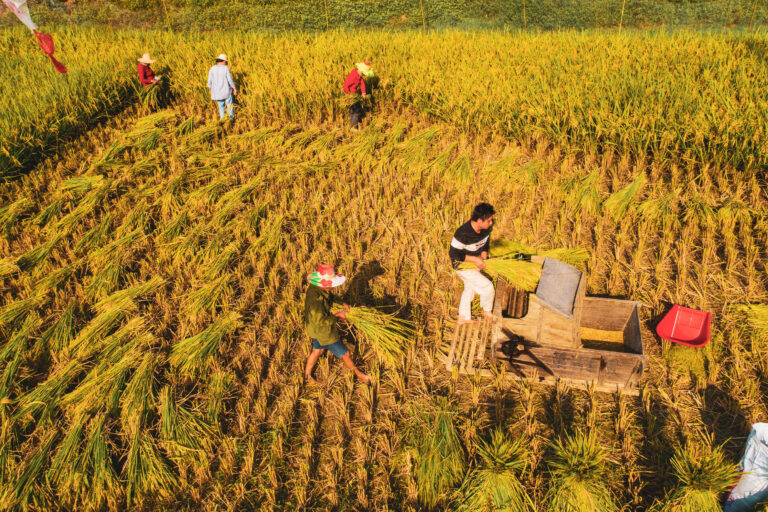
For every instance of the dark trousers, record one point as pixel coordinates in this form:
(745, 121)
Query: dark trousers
(356, 113)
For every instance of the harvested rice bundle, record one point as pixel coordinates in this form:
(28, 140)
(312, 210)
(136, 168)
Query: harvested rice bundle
(387, 333)
(521, 273)
(578, 473)
(495, 483)
(704, 474)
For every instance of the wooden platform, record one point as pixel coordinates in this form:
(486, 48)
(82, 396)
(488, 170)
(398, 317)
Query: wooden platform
(469, 345)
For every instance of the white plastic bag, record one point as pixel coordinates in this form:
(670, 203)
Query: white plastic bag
(753, 484)
(20, 9)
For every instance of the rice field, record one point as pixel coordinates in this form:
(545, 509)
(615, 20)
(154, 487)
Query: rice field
(153, 263)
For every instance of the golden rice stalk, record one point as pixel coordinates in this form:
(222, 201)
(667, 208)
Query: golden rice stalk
(495, 483)
(577, 476)
(42, 401)
(19, 309)
(145, 471)
(704, 474)
(18, 493)
(523, 274)
(138, 397)
(185, 435)
(387, 334)
(7, 267)
(192, 354)
(621, 202)
(757, 316)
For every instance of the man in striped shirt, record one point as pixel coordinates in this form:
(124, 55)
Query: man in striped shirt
(470, 244)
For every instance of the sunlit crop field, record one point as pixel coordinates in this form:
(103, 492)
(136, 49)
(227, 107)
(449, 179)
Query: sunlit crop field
(153, 268)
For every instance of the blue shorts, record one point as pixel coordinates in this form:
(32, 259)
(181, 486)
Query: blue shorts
(338, 349)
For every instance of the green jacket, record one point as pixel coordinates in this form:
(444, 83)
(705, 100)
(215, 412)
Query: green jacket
(319, 322)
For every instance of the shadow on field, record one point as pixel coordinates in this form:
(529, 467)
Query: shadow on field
(725, 419)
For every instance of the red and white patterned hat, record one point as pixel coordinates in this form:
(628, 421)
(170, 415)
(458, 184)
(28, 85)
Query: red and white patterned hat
(326, 277)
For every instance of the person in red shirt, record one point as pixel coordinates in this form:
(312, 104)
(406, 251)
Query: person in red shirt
(354, 84)
(146, 75)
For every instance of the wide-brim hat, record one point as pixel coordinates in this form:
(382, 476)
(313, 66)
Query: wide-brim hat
(364, 68)
(222, 56)
(146, 59)
(325, 277)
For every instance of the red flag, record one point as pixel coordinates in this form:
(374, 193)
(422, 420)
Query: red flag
(46, 43)
(61, 68)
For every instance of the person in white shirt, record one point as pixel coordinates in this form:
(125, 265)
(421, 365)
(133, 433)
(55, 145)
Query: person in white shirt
(222, 87)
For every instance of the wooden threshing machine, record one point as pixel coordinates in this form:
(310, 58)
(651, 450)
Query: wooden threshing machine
(555, 333)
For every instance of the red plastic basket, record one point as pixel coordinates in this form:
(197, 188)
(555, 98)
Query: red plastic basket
(685, 326)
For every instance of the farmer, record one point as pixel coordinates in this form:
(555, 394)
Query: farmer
(146, 75)
(320, 323)
(470, 244)
(222, 87)
(355, 83)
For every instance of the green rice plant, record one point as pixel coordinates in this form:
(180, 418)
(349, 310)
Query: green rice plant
(460, 170)
(577, 476)
(223, 261)
(125, 300)
(662, 209)
(138, 398)
(46, 214)
(146, 474)
(271, 238)
(623, 201)
(64, 467)
(703, 474)
(185, 435)
(495, 483)
(18, 493)
(701, 210)
(82, 184)
(523, 274)
(8, 267)
(176, 226)
(18, 310)
(10, 214)
(186, 126)
(11, 355)
(89, 339)
(103, 487)
(388, 335)
(145, 139)
(192, 354)
(97, 235)
(440, 460)
(218, 382)
(43, 400)
(55, 279)
(39, 254)
(584, 193)
(102, 386)
(208, 298)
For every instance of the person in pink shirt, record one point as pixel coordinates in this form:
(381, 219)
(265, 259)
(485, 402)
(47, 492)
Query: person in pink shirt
(355, 84)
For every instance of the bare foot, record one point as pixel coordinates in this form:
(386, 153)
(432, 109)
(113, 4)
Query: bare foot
(363, 377)
(488, 316)
(462, 321)
(310, 379)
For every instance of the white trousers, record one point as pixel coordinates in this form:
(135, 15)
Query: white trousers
(474, 283)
